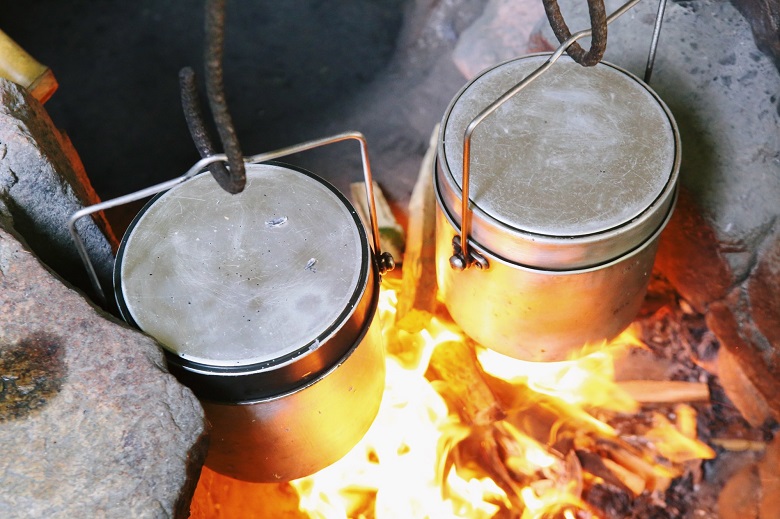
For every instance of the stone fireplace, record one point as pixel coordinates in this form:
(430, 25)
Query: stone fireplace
(94, 424)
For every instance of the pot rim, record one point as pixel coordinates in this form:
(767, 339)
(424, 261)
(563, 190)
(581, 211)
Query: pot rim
(562, 272)
(310, 381)
(550, 252)
(293, 370)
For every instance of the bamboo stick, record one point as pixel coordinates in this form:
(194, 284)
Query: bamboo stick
(18, 66)
(417, 298)
(656, 476)
(739, 444)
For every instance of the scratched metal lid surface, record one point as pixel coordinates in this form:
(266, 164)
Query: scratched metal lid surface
(578, 151)
(250, 279)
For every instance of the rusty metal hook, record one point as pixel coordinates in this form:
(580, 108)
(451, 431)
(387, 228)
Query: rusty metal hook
(234, 179)
(598, 22)
(193, 114)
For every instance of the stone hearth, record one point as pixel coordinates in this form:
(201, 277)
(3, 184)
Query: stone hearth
(92, 424)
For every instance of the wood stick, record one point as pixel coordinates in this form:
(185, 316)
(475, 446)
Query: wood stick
(455, 363)
(665, 391)
(417, 298)
(482, 448)
(391, 234)
(656, 476)
(635, 483)
(594, 464)
(739, 444)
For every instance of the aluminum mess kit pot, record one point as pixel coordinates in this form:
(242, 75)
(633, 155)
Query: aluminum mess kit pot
(569, 184)
(265, 304)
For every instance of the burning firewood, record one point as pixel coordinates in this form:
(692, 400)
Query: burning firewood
(455, 364)
(665, 391)
(656, 475)
(686, 420)
(597, 466)
(417, 298)
(635, 483)
(481, 450)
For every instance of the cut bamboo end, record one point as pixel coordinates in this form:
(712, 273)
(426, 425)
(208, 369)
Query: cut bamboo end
(44, 87)
(18, 66)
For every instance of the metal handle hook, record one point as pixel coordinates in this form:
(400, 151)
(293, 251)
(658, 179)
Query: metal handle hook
(598, 22)
(659, 18)
(234, 180)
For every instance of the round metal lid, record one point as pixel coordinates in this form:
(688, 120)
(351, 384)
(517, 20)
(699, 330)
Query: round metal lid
(257, 278)
(578, 151)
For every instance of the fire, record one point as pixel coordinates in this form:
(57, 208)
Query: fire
(428, 456)
(587, 381)
(396, 470)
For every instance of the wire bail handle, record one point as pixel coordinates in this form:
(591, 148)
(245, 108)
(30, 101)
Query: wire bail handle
(384, 260)
(463, 255)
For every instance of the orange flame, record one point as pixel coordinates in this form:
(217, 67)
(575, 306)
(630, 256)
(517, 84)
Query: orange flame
(399, 463)
(404, 465)
(586, 381)
(674, 445)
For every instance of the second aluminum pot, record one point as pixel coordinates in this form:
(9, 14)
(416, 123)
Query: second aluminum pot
(265, 303)
(571, 182)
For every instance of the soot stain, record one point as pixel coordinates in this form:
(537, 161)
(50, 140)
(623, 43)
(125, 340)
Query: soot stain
(32, 371)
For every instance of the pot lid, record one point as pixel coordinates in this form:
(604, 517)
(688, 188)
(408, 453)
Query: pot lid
(578, 151)
(259, 278)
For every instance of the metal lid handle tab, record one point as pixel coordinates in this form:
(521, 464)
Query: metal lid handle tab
(464, 256)
(384, 260)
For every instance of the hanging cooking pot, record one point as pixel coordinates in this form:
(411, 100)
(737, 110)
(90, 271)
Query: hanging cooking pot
(265, 303)
(568, 186)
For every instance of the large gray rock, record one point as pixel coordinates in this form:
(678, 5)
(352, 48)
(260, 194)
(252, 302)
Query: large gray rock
(42, 183)
(499, 34)
(91, 423)
(764, 18)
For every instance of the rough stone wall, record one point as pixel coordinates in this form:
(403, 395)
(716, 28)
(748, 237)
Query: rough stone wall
(764, 19)
(42, 183)
(91, 422)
